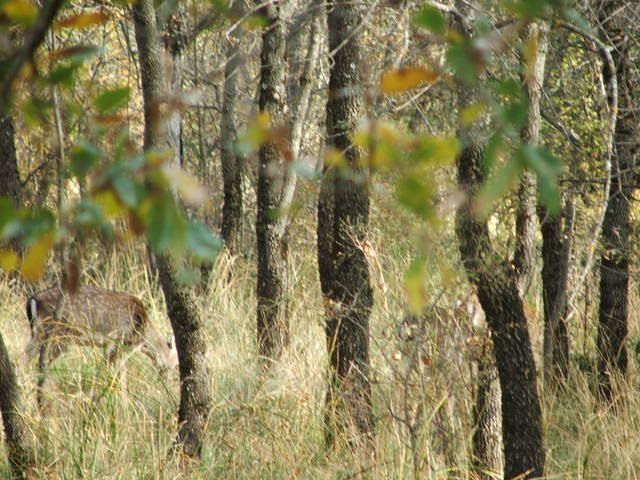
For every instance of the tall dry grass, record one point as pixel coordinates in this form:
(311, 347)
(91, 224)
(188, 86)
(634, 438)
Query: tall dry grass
(102, 422)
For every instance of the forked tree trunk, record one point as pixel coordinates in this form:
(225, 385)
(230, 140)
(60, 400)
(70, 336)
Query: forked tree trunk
(272, 321)
(345, 277)
(614, 263)
(498, 292)
(195, 399)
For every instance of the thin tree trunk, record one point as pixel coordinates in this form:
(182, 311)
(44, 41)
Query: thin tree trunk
(272, 321)
(10, 185)
(231, 161)
(195, 399)
(614, 262)
(350, 297)
(488, 458)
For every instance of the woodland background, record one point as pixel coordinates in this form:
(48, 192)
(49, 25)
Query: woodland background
(332, 192)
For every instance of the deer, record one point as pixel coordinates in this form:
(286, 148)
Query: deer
(93, 316)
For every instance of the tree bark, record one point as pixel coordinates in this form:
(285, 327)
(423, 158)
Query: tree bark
(18, 443)
(554, 273)
(497, 287)
(231, 161)
(488, 458)
(10, 185)
(187, 325)
(272, 321)
(614, 262)
(348, 290)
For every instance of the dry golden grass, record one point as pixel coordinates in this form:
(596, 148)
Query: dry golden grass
(97, 425)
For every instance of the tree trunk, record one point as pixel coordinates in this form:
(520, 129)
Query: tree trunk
(498, 293)
(10, 185)
(195, 400)
(554, 270)
(614, 262)
(18, 443)
(497, 287)
(273, 325)
(488, 458)
(231, 161)
(350, 297)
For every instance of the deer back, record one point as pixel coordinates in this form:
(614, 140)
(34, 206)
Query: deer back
(87, 313)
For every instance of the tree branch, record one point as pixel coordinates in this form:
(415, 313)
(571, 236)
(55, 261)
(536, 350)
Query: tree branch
(34, 38)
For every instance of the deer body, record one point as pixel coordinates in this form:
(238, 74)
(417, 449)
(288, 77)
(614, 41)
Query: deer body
(93, 317)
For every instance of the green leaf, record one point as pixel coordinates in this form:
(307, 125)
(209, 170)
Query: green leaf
(84, 156)
(461, 63)
(127, 190)
(497, 186)
(166, 229)
(89, 214)
(430, 18)
(546, 168)
(63, 75)
(112, 100)
(414, 285)
(416, 195)
(201, 243)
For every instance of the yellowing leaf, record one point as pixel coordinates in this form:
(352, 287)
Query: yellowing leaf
(8, 259)
(472, 113)
(35, 260)
(20, 11)
(334, 159)
(397, 81)
(414, 286)
(109, 203)
(83, 20)
(187, 185)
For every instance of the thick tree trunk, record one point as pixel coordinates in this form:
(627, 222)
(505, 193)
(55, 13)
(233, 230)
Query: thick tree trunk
(231, 161)
(272, 324)
(18, 443)
(498, 293)
(614, 263)
(350, 298)
(195, 401)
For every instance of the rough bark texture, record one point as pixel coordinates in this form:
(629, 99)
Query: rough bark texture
(10, 185)
(272, 324)
(614, 262)
(195, 399)
(498, 293)
(18, 442)
(556, 338)
(231, 161)
(525, 253)
(348, 290)
(488, 458)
